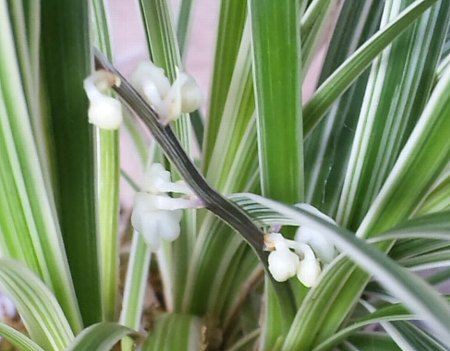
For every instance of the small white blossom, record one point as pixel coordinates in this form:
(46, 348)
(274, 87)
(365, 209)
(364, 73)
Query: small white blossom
(151, 80)
(156, 215)
(283, 263)
(191, 96)
(153, 221)
(324, 249)
(104, 111)
(169, 101)
(157, 181)
(309, 269)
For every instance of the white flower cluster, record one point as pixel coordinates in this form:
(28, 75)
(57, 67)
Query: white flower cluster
(302, 256)
(156, 215)
(104, 111)
(169, 101)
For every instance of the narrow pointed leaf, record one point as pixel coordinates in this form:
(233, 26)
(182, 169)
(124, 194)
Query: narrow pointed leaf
(231, 25)
(394, 99)
(327, 149)
(65, 22)
(390, 313)
(277, 75)
(352, 68)
(175, 332)
(28, 220)
(107, 175)
(135, 283)
(18, 339)
(100, 337)
(41, 313)
(183, 25)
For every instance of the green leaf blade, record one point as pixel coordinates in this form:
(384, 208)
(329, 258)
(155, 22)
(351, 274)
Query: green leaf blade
(67, 65)
(231, 26)
(17, 339)
(175, 332)
(99, 337)
(277, 77)
(351, 69)
(393, 101)
(107, 176)
(33, 231)
(39, 309)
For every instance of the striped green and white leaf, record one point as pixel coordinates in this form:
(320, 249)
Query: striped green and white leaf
(138, 267)
(107, 175)
(394, 99)
(433, 226)
(356, 64)
(37, 306)
(66, 54)
(176, 332)
(396, 312)
(100, 337)
(18, 339)
(425, 155)
(28, 219)
(183, 25)
(233, 14)
(277, 77)
(276, 51)
(409, 336)
(327, 149)
(438, 199)
(233, 167)
(136, 283)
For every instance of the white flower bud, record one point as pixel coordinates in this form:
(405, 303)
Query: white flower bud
(104, 111)
(324, 249)
(173, 99)
(156, 215)
(147, 77)
(308, 272)
(309, 269)
(191, 96)
(157, 180)
(283, 264)
(169, 101)
(151, 218)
